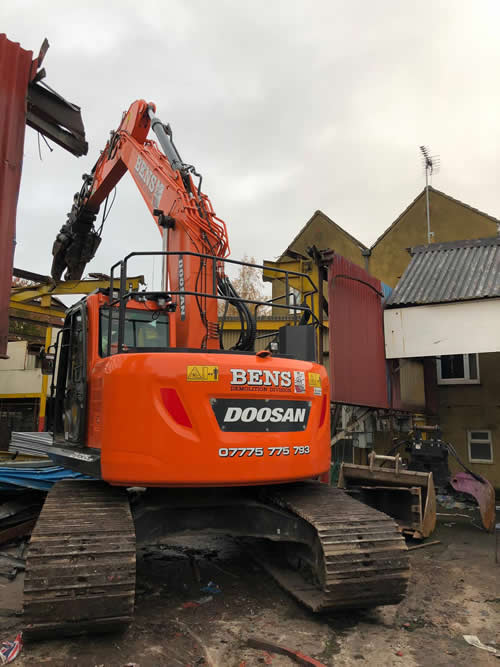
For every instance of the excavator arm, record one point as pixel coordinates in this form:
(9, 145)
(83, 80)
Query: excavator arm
(183, 214)
(164, 181)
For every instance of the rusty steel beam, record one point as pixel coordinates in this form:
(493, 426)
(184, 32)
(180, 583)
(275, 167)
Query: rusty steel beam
(29, 275)
(61, 137)
(53, 107)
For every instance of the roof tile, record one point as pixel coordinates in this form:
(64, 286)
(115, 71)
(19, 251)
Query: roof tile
(447, 272)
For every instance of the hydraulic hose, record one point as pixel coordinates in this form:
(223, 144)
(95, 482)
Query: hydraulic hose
(246, 340)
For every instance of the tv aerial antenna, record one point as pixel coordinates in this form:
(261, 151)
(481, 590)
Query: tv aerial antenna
(431, 166)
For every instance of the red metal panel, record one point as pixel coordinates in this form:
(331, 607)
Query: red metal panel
(357, 353)
(16, 67)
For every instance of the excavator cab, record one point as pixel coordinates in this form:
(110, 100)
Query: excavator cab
(146, 329)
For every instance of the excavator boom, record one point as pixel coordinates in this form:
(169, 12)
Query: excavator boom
(183, 214)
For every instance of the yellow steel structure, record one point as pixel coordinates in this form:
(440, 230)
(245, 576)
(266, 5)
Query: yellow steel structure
(299, 284)
(22, 294)
(34, 308)
(267, 324)
(22, 298)
(20, 395)
(45, 382)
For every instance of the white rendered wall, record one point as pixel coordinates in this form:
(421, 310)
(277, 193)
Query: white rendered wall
(16, 376)
(17, 352)
(450, 328)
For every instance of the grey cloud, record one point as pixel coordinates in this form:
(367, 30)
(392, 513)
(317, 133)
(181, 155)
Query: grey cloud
(285, 107)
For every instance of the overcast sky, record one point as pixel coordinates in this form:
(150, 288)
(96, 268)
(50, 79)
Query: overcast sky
(285, 107)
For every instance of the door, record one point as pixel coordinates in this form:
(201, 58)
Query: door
(71, 388)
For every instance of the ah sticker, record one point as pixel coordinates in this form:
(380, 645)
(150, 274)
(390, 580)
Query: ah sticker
(317, 391)
(314, 379)
(299, 381)
(202, 373)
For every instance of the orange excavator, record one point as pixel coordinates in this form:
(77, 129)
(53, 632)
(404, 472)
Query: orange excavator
(223, 441)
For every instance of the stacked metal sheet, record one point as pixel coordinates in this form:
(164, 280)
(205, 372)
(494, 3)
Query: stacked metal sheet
(29, 442)
(39, 473)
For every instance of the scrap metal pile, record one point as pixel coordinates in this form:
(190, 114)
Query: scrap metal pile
(32, 470)
(407, 491)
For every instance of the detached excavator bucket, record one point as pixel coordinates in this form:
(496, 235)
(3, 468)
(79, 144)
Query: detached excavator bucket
(407, 496)
(481, 489)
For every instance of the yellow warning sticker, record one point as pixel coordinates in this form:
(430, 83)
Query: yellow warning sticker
(202, 373)
(314, 380)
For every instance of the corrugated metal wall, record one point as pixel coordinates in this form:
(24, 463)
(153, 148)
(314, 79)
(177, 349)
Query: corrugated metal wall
(16, 66)
(357, 355)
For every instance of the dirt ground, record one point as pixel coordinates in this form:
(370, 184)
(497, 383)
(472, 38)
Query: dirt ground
(453, 591)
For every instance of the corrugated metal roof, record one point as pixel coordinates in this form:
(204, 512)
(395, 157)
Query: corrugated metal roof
(15, 73)
(447, 272)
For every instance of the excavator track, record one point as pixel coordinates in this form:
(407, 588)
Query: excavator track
(359, 558)
(80, 568)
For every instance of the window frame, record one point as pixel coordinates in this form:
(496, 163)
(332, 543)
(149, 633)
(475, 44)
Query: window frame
(489, 441)
(105, 308)
(466, 379)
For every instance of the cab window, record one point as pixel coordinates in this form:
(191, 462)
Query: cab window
(145, 330)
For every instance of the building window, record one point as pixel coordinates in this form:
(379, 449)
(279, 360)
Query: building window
(480, 449)
(458, 369)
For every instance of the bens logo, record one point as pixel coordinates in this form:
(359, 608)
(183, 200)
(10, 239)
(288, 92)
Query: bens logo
(263, 415)
(260, 378)
(152, 182)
